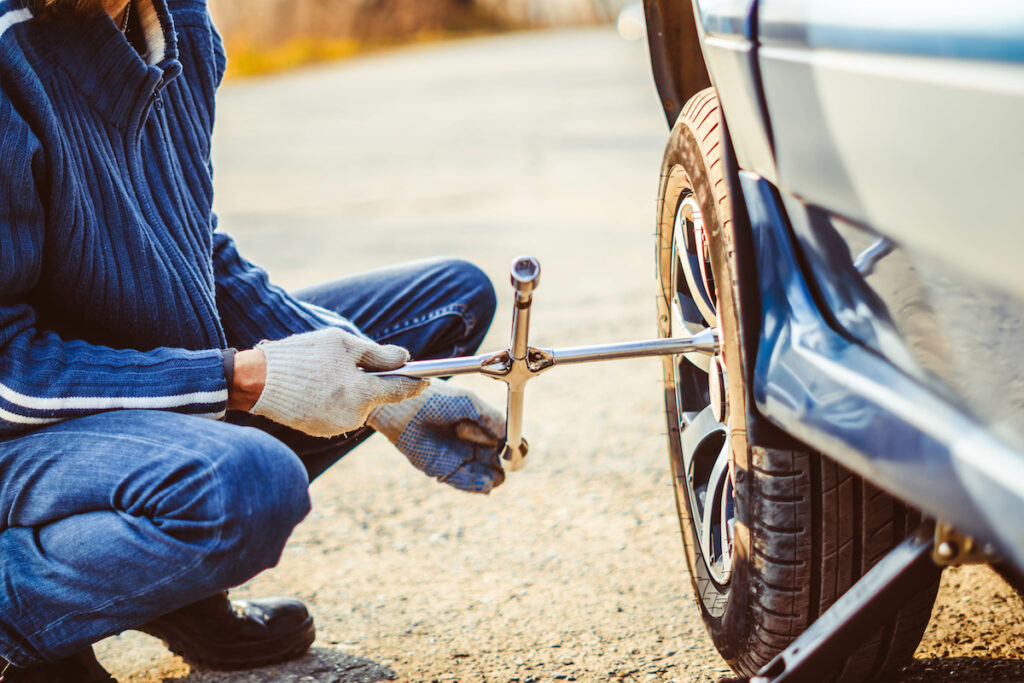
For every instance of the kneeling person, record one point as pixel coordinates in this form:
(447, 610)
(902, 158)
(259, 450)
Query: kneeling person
(145, 465)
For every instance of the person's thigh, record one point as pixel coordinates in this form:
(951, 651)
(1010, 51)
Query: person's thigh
(437, 308)
(110, 520)
(434, 308)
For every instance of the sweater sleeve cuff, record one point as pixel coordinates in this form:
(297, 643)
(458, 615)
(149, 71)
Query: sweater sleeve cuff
(228, 356)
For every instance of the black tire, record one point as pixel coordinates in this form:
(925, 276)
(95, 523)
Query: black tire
(804, 528)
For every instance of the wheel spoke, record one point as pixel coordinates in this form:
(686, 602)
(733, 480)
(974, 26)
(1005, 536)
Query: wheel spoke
(698, 431)
(691, 270)
(691, 264)
(713, 518)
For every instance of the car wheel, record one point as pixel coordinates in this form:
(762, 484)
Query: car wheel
(771, 536)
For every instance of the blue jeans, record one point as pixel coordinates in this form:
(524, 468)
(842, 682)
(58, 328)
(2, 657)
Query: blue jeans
(111, 520)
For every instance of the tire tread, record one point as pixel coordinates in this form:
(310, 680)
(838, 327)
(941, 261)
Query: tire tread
(851, 526)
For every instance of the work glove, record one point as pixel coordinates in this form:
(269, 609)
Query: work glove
(318, 382)
(449, 433)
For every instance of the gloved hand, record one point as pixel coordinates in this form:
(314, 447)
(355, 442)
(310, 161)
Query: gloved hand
(449, 433)
(316, 381)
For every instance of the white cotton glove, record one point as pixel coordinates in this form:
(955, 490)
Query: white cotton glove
(316, 381)
(449, 433)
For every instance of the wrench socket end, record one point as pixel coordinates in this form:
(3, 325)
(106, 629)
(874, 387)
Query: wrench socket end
(525, 275)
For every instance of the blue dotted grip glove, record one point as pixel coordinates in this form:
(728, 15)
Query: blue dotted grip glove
(449, 433)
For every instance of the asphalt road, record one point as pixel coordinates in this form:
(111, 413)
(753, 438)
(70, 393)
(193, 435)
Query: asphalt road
(544, 143)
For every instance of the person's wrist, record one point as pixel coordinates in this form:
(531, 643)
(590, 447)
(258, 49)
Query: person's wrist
(249, 378)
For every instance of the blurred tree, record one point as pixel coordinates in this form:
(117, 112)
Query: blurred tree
(555, 12)
(265, 35)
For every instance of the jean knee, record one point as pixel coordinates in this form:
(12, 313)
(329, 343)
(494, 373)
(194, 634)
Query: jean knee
(477, 294)
(264, 493)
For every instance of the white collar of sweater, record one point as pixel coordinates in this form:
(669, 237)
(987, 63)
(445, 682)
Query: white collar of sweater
(153, 29)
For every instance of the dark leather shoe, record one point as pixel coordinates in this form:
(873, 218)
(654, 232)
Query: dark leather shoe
(220, 634)
(80, 667)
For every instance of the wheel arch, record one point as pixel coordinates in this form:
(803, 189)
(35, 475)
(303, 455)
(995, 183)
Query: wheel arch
(676, 58)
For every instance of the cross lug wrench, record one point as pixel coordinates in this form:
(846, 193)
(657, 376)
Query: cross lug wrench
(520, 362)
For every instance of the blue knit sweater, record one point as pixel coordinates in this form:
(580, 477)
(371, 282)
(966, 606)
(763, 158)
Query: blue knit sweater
(115, 290)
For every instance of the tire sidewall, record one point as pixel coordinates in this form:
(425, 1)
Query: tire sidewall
(729, 629)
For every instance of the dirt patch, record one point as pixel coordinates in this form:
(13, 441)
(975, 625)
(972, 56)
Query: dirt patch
(976, 632)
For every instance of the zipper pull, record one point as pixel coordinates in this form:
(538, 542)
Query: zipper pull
(157, 104)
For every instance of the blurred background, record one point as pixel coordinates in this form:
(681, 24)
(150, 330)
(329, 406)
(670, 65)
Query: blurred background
(265, 35)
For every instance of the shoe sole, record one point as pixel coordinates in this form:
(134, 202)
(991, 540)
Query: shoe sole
(235, 656)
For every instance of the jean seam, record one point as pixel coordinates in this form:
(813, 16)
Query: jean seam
(460, 310)
(196, 563)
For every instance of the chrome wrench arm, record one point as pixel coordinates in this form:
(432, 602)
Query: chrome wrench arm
(447, 367)
(705, 343)
(496, 364)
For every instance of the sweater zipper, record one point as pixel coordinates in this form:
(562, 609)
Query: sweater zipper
(214, 334)
(156, 100)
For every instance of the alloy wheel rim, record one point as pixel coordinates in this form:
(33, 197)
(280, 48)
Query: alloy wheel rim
(702, 410)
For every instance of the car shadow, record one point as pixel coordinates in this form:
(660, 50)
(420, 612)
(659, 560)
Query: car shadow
(975, 669)
(319, 664)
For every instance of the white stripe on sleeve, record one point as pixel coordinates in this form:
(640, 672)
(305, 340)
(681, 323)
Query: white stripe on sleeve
(14, 418)
(110, 402)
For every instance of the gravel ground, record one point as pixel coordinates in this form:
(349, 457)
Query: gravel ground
(573, 570)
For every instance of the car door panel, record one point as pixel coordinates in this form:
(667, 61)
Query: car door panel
(897, 143)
